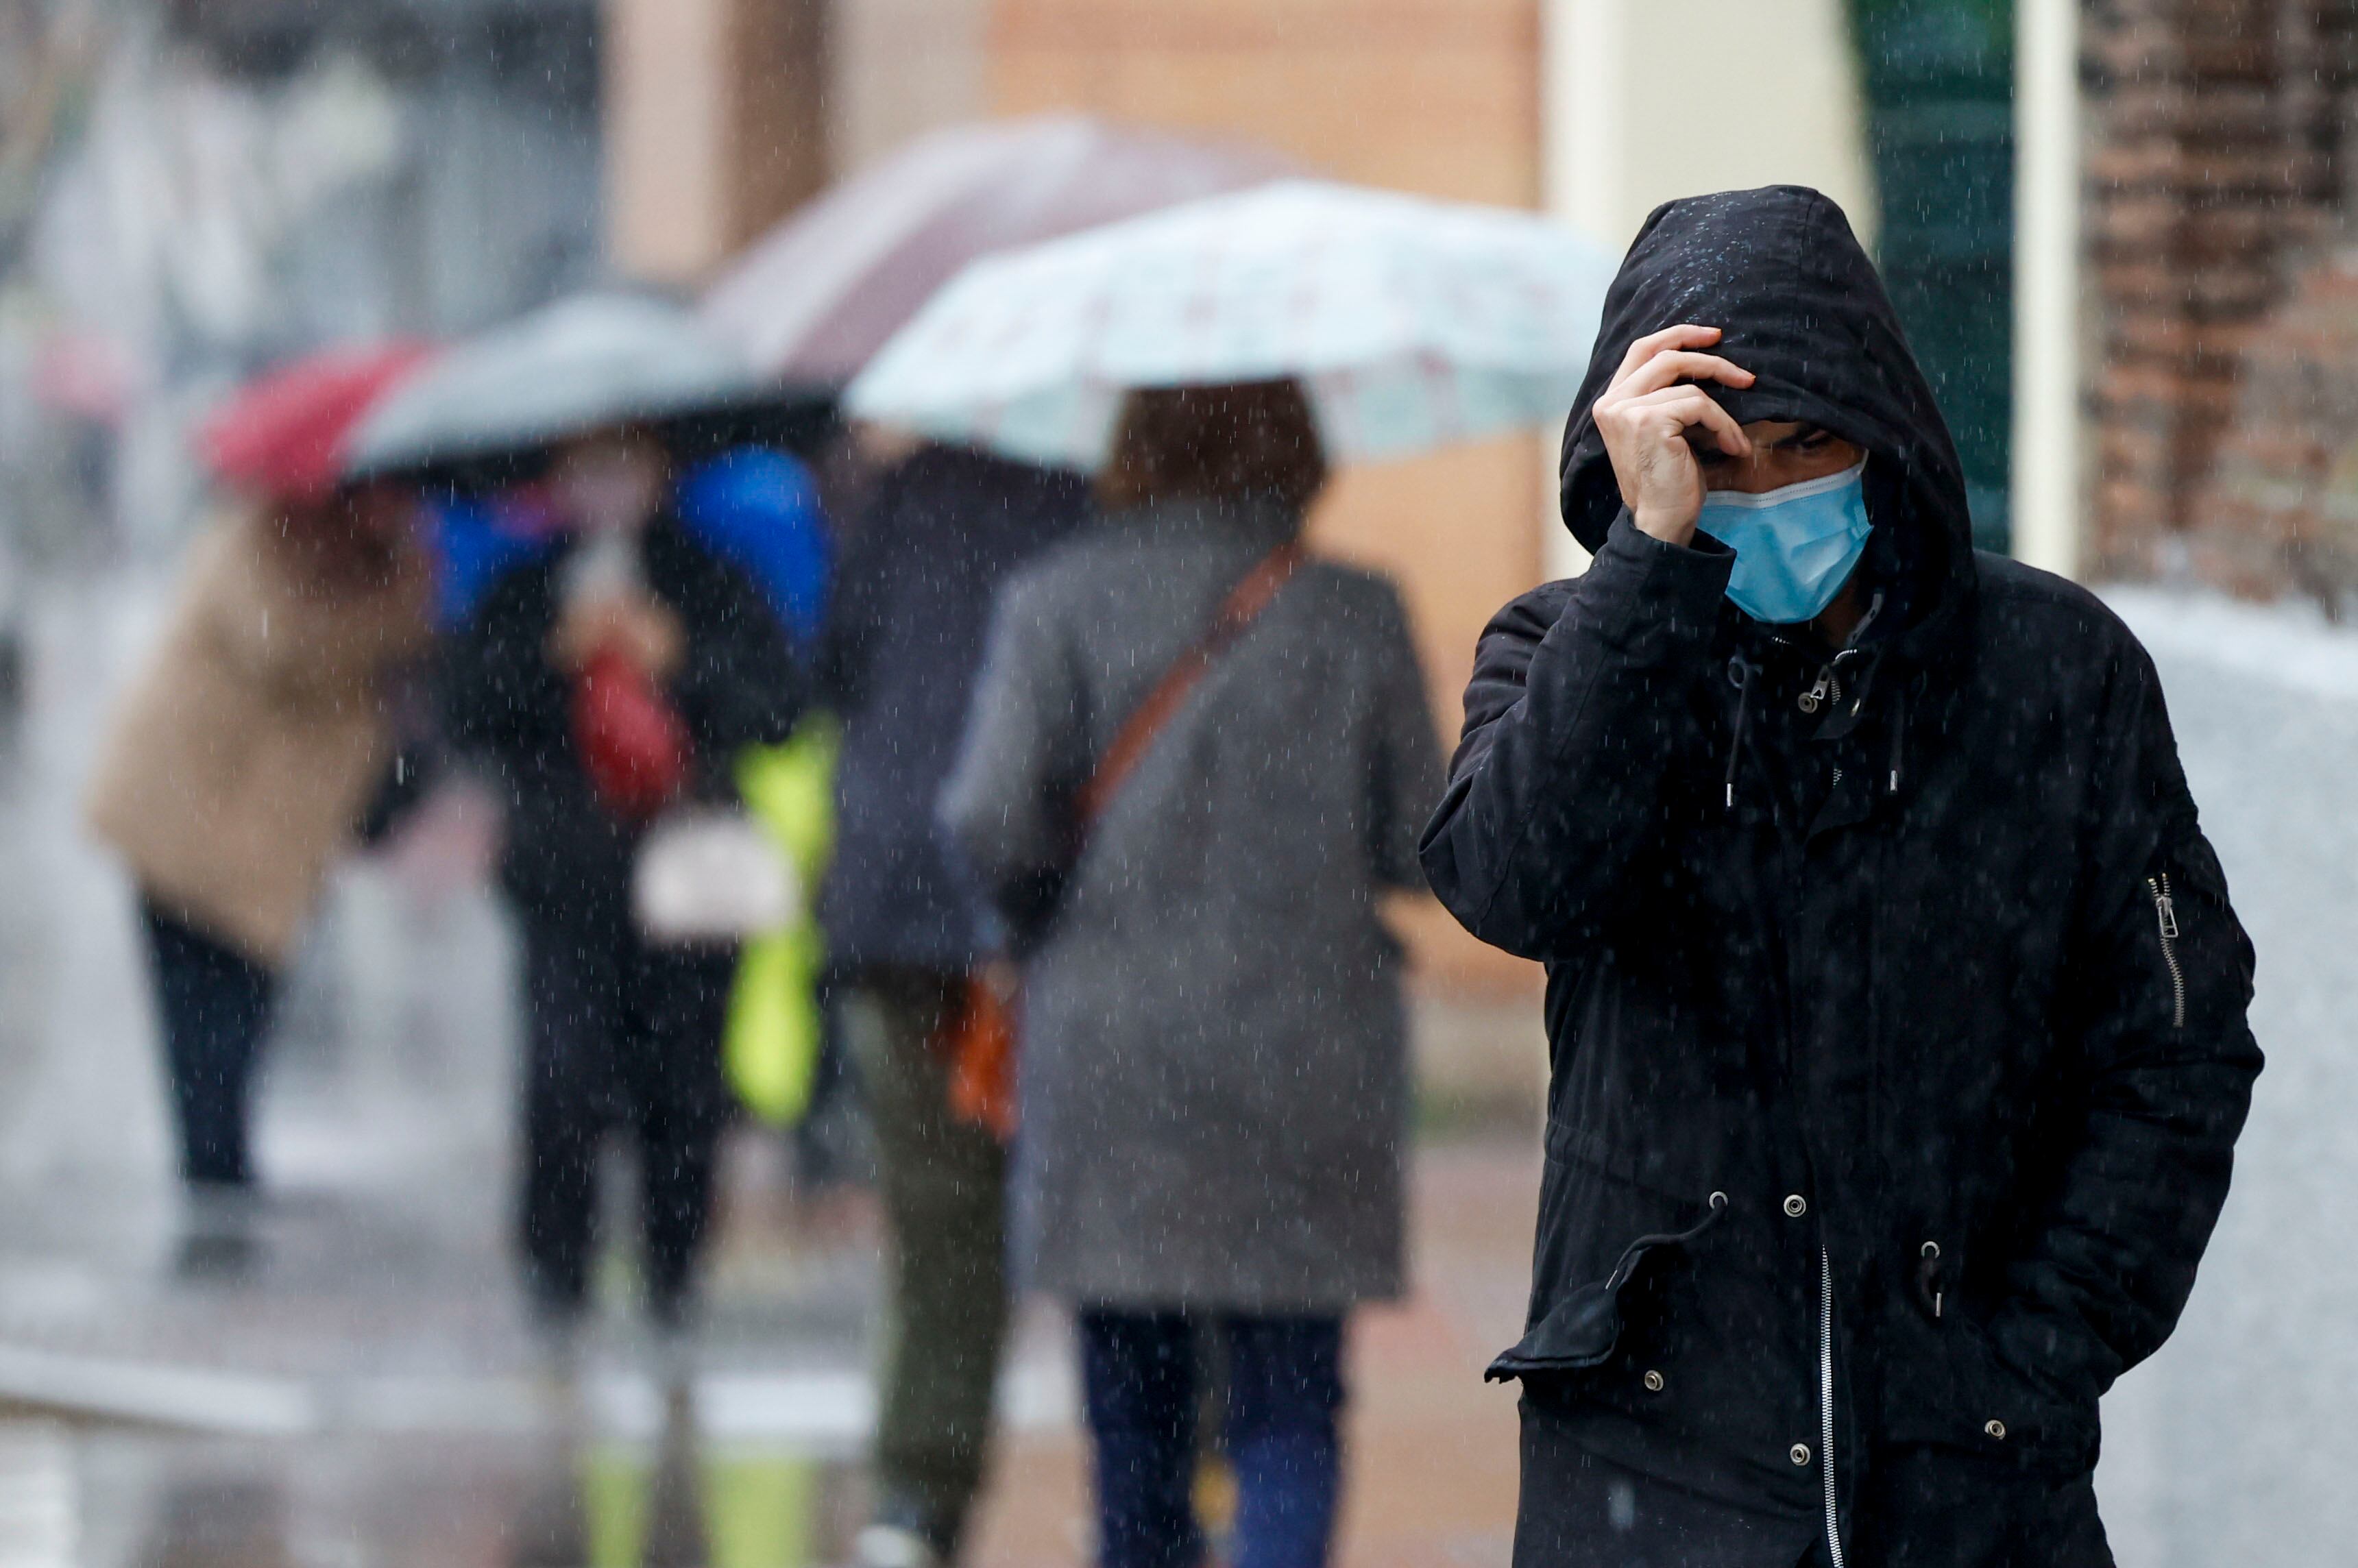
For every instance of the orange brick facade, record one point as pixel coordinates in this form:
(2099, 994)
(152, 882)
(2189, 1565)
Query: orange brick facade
(1438, 96)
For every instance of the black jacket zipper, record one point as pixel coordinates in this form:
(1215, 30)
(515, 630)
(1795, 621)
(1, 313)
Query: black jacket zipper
(2165, 911)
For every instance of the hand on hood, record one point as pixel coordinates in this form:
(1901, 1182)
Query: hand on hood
(1800, 310)
(1645, 418)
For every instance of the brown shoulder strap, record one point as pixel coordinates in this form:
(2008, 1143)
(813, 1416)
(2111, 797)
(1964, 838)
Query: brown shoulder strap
(1237, 614)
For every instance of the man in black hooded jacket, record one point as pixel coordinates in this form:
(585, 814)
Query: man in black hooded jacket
(1896, 1008)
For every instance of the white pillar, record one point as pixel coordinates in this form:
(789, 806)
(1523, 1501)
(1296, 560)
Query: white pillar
(666, 137)
(1583, 162)
(2050, 430)
(1581, 168)
(715, 128)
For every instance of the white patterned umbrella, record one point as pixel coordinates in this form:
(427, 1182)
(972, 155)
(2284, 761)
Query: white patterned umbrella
(1414, 323)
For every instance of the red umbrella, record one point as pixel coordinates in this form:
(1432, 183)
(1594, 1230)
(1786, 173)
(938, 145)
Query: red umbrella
(285, 434)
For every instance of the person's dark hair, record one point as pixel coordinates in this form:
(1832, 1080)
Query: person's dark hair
(1246, 440)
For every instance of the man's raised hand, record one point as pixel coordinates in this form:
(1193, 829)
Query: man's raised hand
(1644, 417)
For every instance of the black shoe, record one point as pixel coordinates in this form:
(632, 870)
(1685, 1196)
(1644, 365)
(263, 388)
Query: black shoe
(671, 1308)
(901, 1534)
(557, 1305)
(216, 1259)
(218, 1233)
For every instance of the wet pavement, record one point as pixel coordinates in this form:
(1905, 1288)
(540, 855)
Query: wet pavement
(546, 1503)
(361, 1387)
(566, 1477)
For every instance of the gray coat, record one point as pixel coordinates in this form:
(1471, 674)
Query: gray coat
(1214, 1073)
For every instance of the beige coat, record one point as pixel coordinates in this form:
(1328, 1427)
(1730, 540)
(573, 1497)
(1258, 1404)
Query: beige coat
(240, 762)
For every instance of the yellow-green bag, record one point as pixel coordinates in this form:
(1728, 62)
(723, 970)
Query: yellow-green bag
(771, 1047)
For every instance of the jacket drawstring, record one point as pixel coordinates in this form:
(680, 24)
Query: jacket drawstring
(1899, 736)
(1740, 671)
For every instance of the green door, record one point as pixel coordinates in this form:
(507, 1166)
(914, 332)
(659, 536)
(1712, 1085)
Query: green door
(1939, 75)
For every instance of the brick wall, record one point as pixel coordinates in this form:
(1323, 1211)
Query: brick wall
(2279, 509)
(2214, 127)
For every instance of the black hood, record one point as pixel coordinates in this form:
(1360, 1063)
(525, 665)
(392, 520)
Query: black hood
(1780, 273)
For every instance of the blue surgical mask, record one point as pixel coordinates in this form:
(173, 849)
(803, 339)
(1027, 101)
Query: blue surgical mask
(1795, 546)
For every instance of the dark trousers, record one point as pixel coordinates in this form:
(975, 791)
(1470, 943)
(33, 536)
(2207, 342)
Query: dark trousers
(620, 1035)
(943, 1186)
(1285, 1398)
(213, 1003)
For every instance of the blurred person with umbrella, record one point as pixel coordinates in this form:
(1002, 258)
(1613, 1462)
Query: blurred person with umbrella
(1195, 760)
(607, 682)
(757, 505)
(240, 763)
(905, 925)
(932, 535)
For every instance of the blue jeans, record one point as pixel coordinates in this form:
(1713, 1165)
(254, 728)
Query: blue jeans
(1285, 1394)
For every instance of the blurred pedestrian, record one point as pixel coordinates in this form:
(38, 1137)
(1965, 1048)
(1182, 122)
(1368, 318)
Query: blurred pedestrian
(240, 765)
(1195, 761)
(1897, 1005)
(606, 683)
(905, 928)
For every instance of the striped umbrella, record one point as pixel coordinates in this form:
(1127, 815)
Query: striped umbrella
(818, 296)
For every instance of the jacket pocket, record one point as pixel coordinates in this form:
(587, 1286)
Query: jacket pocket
(1578, 1313)
(1945, 1383)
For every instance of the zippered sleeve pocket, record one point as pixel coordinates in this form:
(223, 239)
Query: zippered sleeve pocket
(2196, 952)
(2165, 913)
